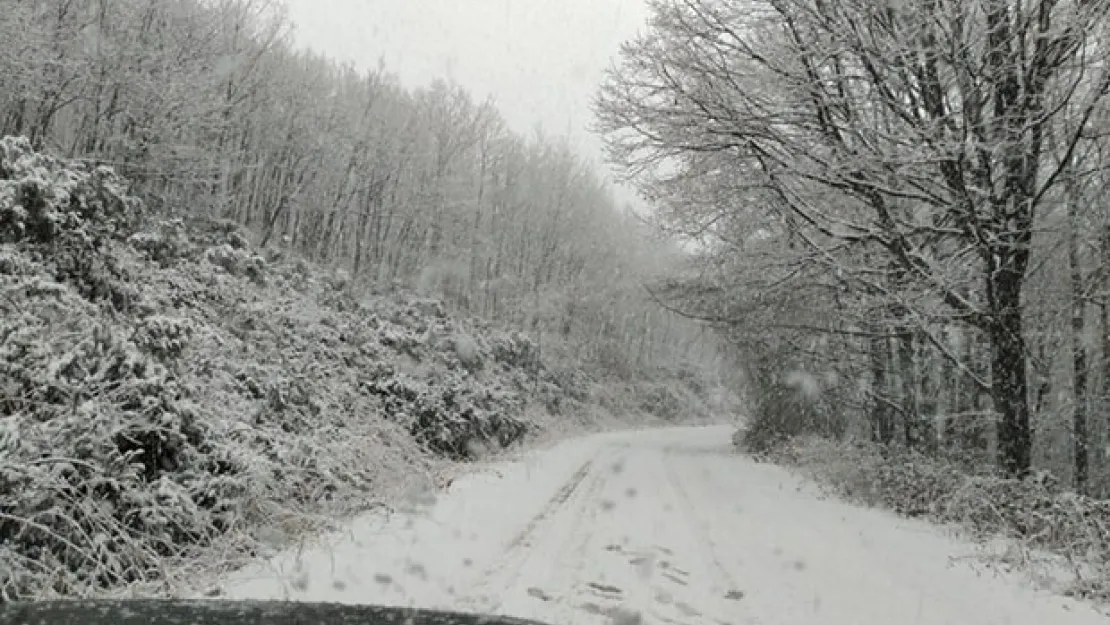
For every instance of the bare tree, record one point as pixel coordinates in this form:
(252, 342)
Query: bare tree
(208, 108)
(929, 122)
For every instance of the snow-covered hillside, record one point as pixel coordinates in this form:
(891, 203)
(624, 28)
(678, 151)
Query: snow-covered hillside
(174, 398)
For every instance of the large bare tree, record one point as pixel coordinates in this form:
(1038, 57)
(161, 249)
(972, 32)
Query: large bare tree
(915, 132)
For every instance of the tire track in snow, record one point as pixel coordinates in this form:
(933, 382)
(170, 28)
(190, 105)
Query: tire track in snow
(689, 510)
(723, 599)
(569, 568)
(507, 567)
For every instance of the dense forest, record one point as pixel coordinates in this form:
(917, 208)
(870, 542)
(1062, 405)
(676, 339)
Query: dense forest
(902, 206)
(209, 109)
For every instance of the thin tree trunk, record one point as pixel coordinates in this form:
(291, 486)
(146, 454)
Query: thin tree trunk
(1104, 309)
(882, 426)
(1080, 432)
(907, 388)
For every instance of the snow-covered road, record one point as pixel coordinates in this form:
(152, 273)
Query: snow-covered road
(671, 524)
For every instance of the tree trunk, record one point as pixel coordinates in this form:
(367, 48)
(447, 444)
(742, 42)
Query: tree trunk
(1105, 323)
(1009, 381)
(929, 375)
(907, 388)
(1080, 432)
(882, 425)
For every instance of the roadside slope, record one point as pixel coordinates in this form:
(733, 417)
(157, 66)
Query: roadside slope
(174, 399)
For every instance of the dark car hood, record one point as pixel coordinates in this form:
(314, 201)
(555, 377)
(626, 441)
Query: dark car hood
(171, 612)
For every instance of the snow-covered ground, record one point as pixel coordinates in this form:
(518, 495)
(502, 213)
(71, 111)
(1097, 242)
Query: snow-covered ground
(670, 524)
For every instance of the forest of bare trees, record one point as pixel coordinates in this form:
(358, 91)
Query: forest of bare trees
(902, 209)
(898, 201)
(210, 110)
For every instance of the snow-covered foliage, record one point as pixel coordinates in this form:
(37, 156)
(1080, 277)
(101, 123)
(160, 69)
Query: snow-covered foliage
(789, 401)
(171, 393)
(42, 198)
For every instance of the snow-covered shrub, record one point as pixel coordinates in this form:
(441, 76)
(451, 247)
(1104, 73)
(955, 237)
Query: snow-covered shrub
(94, 272)
(42, 197)
(74, 210)
(907, 482)
(616, 398)
(339, 280)
(238, 262)
(163, 337)
(553, 399)
(692, 379)
(206, 232)
(118, 456)
(336, 294)
(99, 456)
(427, 308)
(572, 382)
(401, 339)
(164, 243)
(660, 400)
(454, 416)
(514, 349)
(13, 263)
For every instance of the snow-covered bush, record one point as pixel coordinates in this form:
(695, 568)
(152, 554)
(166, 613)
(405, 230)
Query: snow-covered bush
(454, 416)
(164, 243)
(401, 339)
(42, 198)
(427, 308)
(238, 262)
(13, 263)
(100, 453)
(660, 400)
(163, 337)
(339, 280)
(572, 382)
(71, 211)
(514, 349)
(206, 232)
(94, 272)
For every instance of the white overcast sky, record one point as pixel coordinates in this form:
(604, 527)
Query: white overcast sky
(541, 60)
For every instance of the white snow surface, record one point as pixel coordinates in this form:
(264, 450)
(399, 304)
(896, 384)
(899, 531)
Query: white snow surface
(667, 526)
